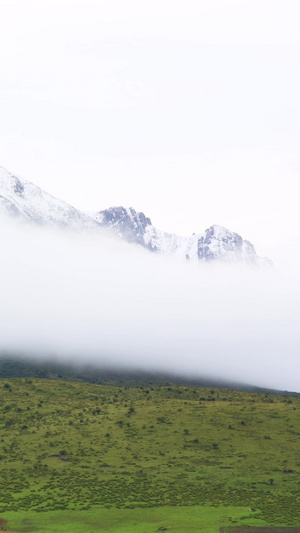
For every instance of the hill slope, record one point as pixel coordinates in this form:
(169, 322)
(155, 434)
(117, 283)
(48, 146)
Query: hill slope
(12, 367)
(74, 446)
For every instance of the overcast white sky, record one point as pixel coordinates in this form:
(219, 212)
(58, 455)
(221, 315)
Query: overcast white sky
(186, 110)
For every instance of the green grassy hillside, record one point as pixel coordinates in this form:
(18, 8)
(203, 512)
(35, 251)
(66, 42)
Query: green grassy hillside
(111, 457)
(18, 367)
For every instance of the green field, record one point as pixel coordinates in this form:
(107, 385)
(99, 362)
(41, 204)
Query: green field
(83, 457)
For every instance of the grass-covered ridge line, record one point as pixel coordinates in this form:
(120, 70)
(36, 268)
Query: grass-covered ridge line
(24, 367)
(82, 447)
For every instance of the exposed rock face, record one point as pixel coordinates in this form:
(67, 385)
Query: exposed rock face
(215, 243)
(222, 243)
(126, 223)
(23, 199)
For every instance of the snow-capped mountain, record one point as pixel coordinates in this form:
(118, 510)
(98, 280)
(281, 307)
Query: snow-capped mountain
(215, 243)
(23, 199)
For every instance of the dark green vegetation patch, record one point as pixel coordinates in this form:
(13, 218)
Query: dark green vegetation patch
(74, 446)
(12, 367)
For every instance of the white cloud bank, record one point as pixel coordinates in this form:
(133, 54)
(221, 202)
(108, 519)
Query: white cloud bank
(91, 299)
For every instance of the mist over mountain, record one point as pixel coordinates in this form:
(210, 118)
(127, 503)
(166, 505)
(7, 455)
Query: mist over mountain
(25, 200)
(89, 297)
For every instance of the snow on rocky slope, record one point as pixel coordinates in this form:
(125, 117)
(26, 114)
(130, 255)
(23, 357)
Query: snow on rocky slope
(23, 199)
(215, 243)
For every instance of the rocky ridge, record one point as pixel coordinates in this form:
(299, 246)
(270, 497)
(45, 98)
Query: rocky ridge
(23, 199)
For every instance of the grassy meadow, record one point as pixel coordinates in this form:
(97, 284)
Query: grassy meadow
(84, 457)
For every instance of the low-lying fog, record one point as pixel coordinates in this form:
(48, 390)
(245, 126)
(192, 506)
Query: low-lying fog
(88, 298)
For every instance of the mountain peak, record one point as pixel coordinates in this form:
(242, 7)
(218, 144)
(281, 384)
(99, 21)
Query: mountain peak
(22, 198)
(126, 223)
(28, 201)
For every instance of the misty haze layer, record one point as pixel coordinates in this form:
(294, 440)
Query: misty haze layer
(81, 298)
